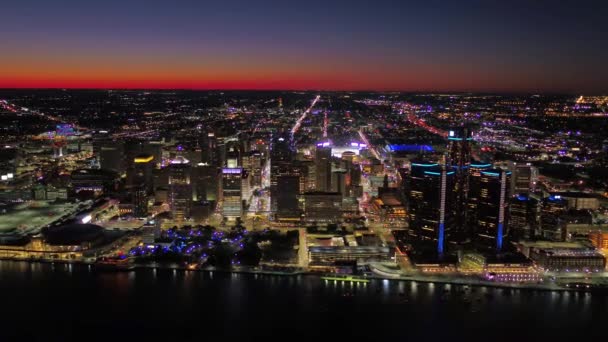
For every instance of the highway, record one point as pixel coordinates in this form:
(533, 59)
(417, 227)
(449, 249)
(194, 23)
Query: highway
(298, 123)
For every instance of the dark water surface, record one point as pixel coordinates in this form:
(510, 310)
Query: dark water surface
(70, 302)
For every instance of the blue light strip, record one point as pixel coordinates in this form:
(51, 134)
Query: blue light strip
(424, 165)
(499, 237)
(440, 238)
(457, 139)
(481, 165)
(432, 173)
(491, 173)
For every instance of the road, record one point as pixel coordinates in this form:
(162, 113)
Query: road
(298, 123)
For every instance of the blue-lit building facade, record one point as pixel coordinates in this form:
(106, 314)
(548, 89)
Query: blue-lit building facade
(431, 198)
(492, 194)
(459, 158)
(524, 217)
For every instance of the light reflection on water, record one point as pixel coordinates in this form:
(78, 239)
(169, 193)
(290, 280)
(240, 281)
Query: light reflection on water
(242, 297)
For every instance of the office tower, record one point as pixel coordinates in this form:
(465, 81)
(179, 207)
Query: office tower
(287, 197)
(209, 147)
(459, 158)
(552, 224)
(154, 148)
(323, 167)
(132, 148)
(140, 201)
(524, 216)
(431, 198)
(524, 178)
(205, 182)
(280, 149)
(253, 163)
(475, 186)
(491, 226)
(180, 188)
(232, 199)
(111, 154)
(143, 167)
(233, 154)
(338, 182)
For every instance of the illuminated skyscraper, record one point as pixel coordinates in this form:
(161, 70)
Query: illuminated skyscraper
(552, 224)
(431, 200)
(475, 185)
(232, 198)
(143, 166)
(140, 202)
(323, 167)
(524, 217)
(459, 158)
(492, 214)
(180, 188)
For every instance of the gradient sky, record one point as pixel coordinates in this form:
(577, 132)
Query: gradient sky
(523, 46)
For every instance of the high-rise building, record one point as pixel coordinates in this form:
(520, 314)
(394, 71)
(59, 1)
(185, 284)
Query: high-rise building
(143, 167)
(287, 197)
(234, 157)
(111, 154)
(232, 198)
(323, 167)
(140, 201)
(491, 226)
(552, 224)
(205, 182)
(524, 217)
(459, 158)
(338, 182)
(524, 178)
(431, 199)
(180, 188)
(473, 198)
(253, 163)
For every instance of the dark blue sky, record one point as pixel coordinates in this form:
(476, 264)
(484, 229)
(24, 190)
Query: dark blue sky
(536, 46)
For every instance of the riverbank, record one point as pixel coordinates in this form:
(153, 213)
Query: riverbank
(428, 279)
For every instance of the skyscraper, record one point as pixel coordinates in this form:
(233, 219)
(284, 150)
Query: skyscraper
(143, 166)
(459, 158)
(524, 178)
(140, 202)
(287, 197)
(180, 188)
(431, 198)
(492, 217)
(323, 167)
(232, 199)
(524, 214)
(551, 217)
(473, 198)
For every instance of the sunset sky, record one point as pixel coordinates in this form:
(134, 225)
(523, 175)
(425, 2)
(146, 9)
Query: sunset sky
(522, 46)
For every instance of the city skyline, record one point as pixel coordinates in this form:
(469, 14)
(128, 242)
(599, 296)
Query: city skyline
(388, 46)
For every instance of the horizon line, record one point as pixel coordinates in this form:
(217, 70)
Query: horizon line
(441, 92)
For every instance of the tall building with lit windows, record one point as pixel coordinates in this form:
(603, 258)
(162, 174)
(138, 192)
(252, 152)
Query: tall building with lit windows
(524, 217)
(143, 166)
(431, 199)
(473, 198)
(323, 167)
(459, 158)
(180, 188)
(232, 194)
(492, 212)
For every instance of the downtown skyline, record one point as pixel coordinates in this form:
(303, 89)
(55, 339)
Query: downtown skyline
(385, 46)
